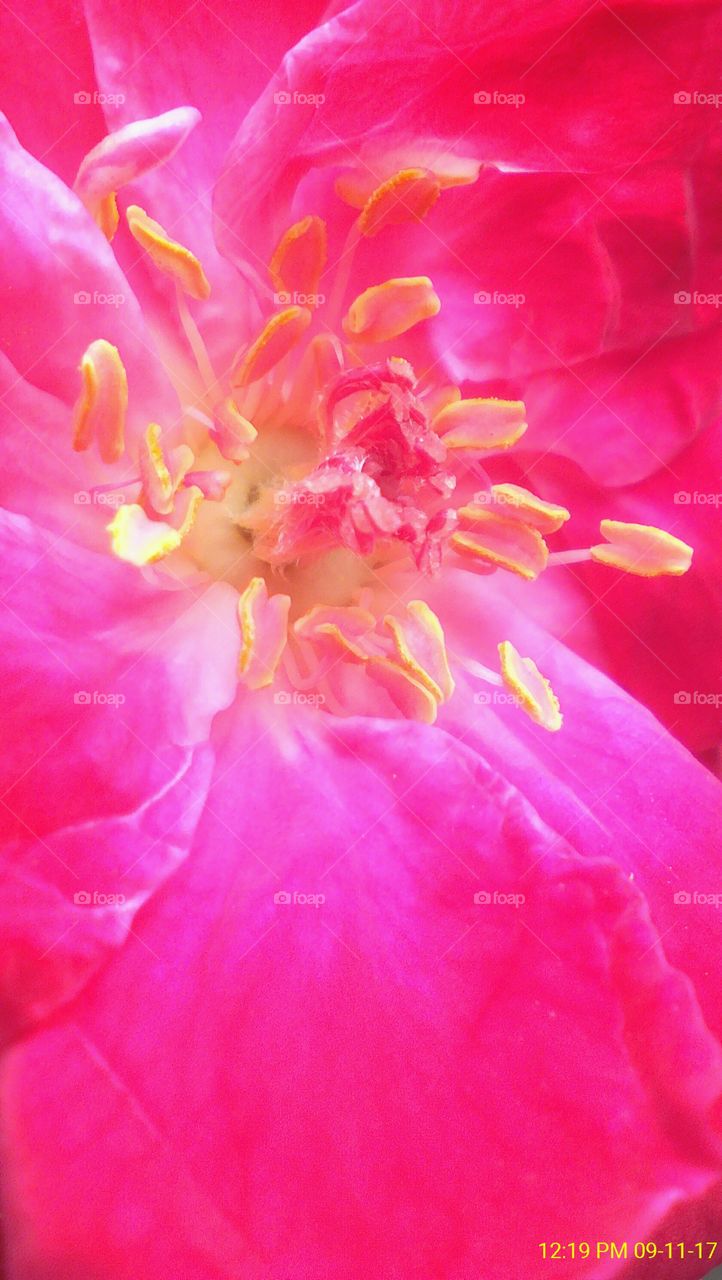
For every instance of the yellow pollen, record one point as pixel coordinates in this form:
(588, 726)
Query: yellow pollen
(481, 424)
(169, 256)
(642, 549)
(279, 335)
(139, 540)
(408, 194)
(102, 405)
(154, 470)
(385, 311)
(263, 622)
(299, 258)
(518, 503)
(106, 215)
(533, 690)
(502, 543)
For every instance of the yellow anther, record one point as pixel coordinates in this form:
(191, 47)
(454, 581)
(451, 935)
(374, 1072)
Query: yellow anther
(530, 687)
(413, 699)
(519, 504)
(385, 311)
(481, 424)
(263, 622)
(282, 332)
(172, 258)
(106, 215)
(356, 186)
(232, 432)
(157, 481)
(642, 549)
(103, 402)
(140, 540)
(421, 648)
(408, 194)
(501, 543)
(123, 156)
(298, 260)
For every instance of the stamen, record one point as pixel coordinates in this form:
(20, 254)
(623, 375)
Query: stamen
(196, 343)
(264, 625)
(410, 665)
(167, 254)
(420, 645)
(515, 503)
(499, 542)
(642, 549)
(140, 541)
(106, 215)
(357, 186)
(481, 424)
(408, 194)
(299, 258)
(533, 690)
(276, 339)
(101, 408)
(124, 156)
(385, 311)
(232, 432)
(159, 486)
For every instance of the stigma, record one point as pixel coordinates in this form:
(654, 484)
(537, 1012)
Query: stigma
(321, 467)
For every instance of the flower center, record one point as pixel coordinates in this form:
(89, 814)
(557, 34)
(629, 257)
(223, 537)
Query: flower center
(318, 470)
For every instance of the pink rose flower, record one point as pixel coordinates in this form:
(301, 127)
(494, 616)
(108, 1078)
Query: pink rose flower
(355, 921)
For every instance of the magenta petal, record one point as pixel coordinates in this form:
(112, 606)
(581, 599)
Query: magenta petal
(48, 60)
(61, 288)
(390, 1081)
(107, 773)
